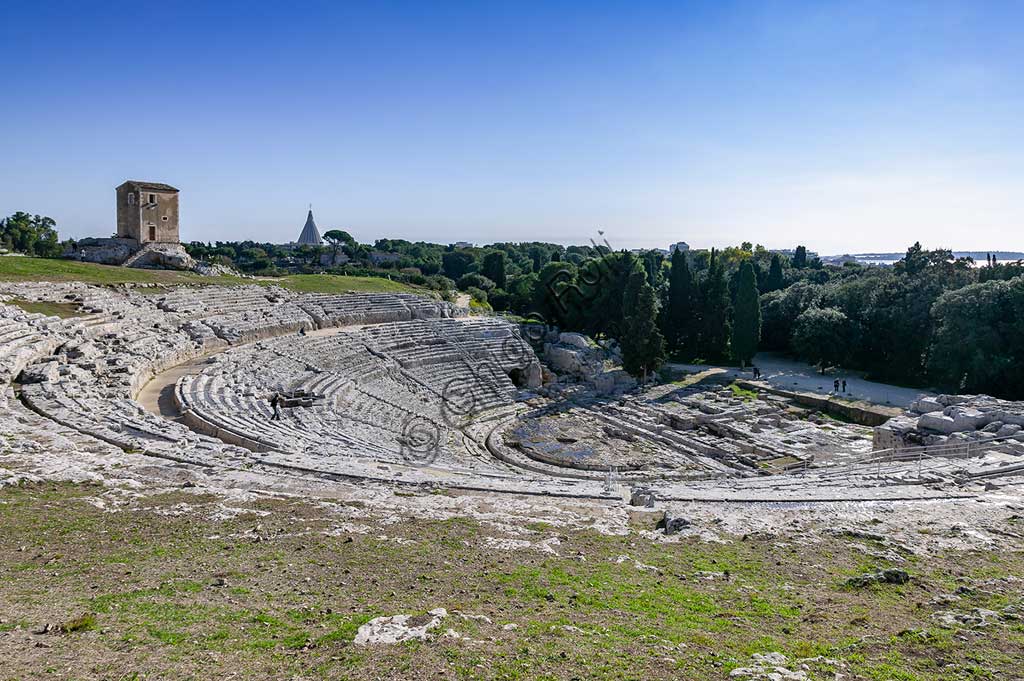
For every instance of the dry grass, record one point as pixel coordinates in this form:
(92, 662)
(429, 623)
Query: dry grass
(168, 592)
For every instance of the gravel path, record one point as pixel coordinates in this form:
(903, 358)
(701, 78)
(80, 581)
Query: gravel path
(786, 373)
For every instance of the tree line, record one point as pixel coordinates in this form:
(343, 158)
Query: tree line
(30, 234)
(929, 320)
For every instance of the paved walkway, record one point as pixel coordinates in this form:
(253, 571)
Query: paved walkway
(789, 374)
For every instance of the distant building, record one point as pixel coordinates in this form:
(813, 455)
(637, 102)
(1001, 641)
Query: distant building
(463, 244)
(147, 212)
(811, 255)
(147, 231)
(679, 246)
(310, 235)
(380, 257)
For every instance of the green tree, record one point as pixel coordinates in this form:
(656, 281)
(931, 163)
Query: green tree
(714, 337)
(338, 239)
(474, 280)
(521, 293)
(494, 268)
(821, 336)
(30, 234)
(457, 263)
(680, 320)
(978, 343)
(780, 310)
(537, 258)
(652, 261)
(643, 347)
(800, 257)
(775, 279)
(746, 324)
(601, 285)
(553, 293)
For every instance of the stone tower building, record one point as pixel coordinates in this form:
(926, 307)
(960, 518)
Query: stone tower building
(147, 212)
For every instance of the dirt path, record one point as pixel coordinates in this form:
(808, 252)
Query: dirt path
(782, 372)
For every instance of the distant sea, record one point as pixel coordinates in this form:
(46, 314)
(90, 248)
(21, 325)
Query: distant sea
(884, 259)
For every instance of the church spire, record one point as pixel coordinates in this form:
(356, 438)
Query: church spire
(310, 234)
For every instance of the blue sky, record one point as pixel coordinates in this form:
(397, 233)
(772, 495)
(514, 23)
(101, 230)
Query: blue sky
(845, 126)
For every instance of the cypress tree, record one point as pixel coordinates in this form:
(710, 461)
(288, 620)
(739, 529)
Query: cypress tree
(800, 257)
(494, 268)
(714, 337)
(643, 347)
(746, 322)
(680, 322)
(775, 281)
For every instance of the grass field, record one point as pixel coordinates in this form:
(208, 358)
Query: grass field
(62, 310)
(15, 268)
(172, 587)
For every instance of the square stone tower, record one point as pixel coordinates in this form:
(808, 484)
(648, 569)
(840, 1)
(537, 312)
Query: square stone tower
(147, 212)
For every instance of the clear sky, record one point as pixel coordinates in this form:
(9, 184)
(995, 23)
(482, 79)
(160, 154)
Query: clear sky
(859, 126)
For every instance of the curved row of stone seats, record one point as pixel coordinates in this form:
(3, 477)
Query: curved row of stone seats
(366, 429)
(232, 394)
(125, 424)
(374, 308)
(228, 396)
(100, 366)
(259, 323)
(23, 338)
(97, 375)
(205, 301)
(342, 354)
(471, 352)
(376, 382)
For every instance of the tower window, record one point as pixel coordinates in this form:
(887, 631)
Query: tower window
(152, 198)
(164, 218)
(131, 198)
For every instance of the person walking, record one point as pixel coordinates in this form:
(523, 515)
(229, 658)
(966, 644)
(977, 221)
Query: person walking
(275, 404)
(835, 385)
(844, 385)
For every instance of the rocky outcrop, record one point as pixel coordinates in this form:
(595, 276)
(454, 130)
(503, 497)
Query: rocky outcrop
(129, 253)
(575, 358)
(947, 420)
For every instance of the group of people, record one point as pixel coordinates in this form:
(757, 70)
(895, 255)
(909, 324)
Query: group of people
(838, 385)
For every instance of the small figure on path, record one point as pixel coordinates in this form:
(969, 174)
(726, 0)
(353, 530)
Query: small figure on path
(835, 385)
(844, 385)
(302, 331)
(757, 372)
(275, 402)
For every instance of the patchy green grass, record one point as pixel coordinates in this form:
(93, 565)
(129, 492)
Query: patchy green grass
(334, 283)
(24, 268)
(44, 269)
(62, 310)
(742, 393)
(173, 594)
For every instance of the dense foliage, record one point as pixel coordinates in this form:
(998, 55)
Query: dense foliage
(29, 234)
(930, 319)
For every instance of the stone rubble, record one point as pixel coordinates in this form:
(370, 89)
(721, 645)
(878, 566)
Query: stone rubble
(399, 628)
